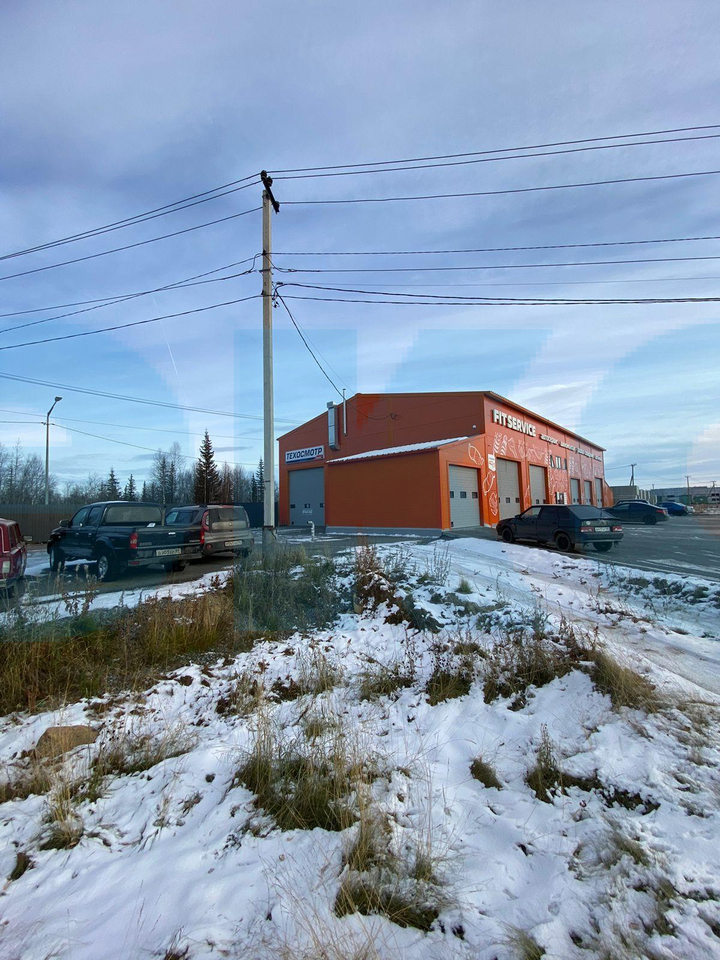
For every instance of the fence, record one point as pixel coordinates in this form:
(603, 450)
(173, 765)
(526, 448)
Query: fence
(37, 520)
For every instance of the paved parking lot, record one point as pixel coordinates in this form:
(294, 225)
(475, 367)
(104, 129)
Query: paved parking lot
(687, 546)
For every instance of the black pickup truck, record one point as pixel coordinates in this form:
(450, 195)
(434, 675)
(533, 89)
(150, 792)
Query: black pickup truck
(119, 535)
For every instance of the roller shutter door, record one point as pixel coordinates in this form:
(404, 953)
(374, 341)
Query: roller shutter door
(508, 481)
(574, 490)
(464, 499)
(538, 485)
(307, 497)
(588, 492)
(598, 492)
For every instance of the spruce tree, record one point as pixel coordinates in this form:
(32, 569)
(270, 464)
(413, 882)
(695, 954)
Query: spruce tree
(112, 487)
(144, 494)
(207, 478)
(130, 491)
(260, 482)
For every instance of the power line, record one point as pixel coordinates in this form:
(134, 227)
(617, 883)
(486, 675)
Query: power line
(307, 345)
(544, 246)
(476, 153)
(126, 443)
(123, 326)
(495, 193)
(492, 266)
(513, 156)
(111, 302)
(128, 426)
(483, 301)
(129, 246)
(131, 399)
(138, 218)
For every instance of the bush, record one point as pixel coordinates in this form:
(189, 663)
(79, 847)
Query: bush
(285, 590)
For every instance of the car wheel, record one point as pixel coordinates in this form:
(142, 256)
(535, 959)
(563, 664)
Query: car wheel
(507, 535)
(603, 547)
(649, 519)
(57, 559)
(563, 542)
(105, 566)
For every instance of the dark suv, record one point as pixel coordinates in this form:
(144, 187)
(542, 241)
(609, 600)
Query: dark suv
(565, 526)
(637, 511)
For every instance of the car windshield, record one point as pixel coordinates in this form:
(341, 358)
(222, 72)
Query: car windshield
(133, 514)
(183, 517)
(586, 512)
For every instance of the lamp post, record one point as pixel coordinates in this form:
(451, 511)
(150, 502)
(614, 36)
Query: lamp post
(47, 451)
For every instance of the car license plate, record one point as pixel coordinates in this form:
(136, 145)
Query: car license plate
(169, 552)
(233, 543)
(602, 529)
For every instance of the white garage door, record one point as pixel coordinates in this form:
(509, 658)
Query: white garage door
(588, 492)
(464, 500)
(538, 485)
(574, 490)
(508, 481)
(598, 492)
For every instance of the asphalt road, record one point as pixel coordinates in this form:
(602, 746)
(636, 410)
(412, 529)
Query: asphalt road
(685, 546)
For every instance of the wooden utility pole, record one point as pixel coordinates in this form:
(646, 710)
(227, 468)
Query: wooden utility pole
(632, 474)
(268, 202)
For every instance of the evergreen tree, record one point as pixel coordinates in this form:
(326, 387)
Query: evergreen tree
(207, 478)
(112, 487)
(144, 494)
(259, 479)
(130, 491)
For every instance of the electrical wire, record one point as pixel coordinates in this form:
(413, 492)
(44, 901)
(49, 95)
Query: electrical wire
(123, 326)
(544, 246)
(130, 246)
(492, 266)
(476, 153)
(180, 285)
(512, 190)
(129, 426)
(131, 399)
(307, 345)
(484, 301)
(513, 156)
(138, 218)
(137, 446)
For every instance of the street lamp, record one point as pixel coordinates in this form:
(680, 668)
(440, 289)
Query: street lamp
(47, 451)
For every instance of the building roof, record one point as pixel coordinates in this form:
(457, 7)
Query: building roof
(389, 451)
(456, 393)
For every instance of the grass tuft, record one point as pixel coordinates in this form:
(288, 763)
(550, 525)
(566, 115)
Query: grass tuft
(464, 586)
(524, 946)
(23, 863)
(481, 770)
(545, 776)
(625, 687)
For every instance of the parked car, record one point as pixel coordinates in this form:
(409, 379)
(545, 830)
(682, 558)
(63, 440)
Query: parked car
(637, 511)
(223, 528)
(565, 526)
(674, 508)
(13, 554)
(118, 535)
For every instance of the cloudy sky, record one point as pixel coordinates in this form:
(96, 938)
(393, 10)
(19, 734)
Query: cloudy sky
(111, 110)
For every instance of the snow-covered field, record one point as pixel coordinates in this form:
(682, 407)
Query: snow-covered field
(177, 859)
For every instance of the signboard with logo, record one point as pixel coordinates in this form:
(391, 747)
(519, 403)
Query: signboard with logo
(491, 461)
(307, 453)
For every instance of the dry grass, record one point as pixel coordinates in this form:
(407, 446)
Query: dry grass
(303, 784)
(464, 586)
(384, 680)
(481, 770)
(545, 776)
(451, 677)
(23, 863)
(625, 687)
(134, 750)
(523, 945)
(31, 777)
(522, 662)
(41, 665)
(66, 826)
(245, 695)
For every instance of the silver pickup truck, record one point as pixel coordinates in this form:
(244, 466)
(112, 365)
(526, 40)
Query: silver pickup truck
(223, 528)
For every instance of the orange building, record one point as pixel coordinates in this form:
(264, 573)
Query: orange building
(431, 461)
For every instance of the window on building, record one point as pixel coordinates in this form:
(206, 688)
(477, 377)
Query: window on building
(463, 494)
(475, 495)
(452, 494)
(292, 506)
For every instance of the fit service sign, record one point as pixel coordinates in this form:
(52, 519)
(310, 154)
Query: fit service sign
(307, 453)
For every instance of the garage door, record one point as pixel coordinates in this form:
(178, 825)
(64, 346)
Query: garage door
(538, 485)
(464, 500)
(508, 481)
(588, 491)
(307, 496)
(598, 492)
(574, 490)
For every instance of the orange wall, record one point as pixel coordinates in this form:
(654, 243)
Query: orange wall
(402, 490)
(395, 491)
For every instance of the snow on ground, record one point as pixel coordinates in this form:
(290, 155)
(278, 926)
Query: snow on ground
(176, 860)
